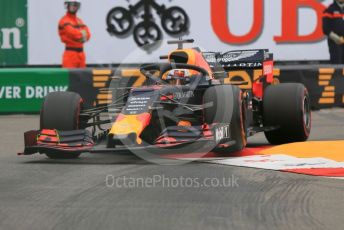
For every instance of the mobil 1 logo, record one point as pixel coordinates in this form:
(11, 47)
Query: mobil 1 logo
(222, 133)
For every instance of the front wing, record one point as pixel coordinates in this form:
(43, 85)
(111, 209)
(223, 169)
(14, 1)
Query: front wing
(194, 138)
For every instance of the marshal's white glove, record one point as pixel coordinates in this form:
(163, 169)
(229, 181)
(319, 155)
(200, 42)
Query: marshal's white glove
(84, 36)
(336, 38)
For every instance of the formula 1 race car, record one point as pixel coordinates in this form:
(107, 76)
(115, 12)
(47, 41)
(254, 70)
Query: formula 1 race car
(185, 102)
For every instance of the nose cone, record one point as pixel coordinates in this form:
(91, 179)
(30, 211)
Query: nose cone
(123, 139)
(130, 126)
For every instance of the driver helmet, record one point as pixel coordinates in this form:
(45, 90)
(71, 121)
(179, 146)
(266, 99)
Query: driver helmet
(177, 77)
(340, 3)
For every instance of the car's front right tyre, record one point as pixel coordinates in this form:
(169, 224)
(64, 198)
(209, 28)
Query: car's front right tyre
(61, 111)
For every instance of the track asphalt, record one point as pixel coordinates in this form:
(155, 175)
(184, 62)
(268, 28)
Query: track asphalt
(123, 192)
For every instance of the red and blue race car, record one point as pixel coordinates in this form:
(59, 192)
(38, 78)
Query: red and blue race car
(184, 103)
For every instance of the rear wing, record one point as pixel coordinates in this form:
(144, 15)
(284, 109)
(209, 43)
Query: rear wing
(260, 59)
(239, 59)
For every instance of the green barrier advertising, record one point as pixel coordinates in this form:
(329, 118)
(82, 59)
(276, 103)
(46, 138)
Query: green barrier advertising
(23, 90)
(13, 32)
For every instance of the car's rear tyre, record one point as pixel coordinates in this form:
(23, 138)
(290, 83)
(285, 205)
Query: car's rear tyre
(60, 111)
(226, 110)
(287, 106)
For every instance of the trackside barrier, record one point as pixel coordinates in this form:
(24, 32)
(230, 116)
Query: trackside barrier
(324, 83)
(22, 90)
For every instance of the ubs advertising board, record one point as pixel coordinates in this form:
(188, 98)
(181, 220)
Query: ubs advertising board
(291, 29)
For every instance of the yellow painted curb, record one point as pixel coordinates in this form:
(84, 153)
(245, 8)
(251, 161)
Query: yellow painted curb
(333, 150)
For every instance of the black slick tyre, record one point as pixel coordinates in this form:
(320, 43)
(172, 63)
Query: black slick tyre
(227, 108)
(60, 111)
(287, 108)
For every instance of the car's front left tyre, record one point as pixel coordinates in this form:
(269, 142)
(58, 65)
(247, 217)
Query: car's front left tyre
(226, 107)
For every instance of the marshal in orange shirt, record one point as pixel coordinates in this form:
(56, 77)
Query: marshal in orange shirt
(74, 33)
